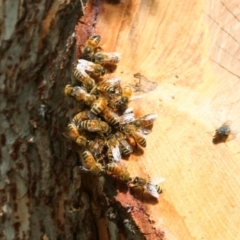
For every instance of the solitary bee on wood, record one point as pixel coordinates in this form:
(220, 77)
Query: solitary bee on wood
(224, 133)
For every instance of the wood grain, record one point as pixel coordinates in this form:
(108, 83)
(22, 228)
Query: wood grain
(191, 49)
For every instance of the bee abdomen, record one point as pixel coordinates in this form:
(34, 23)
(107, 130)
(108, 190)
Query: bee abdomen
(125, 151)
(159, 189)
(142, 142)
(77, 74)
(98, 106)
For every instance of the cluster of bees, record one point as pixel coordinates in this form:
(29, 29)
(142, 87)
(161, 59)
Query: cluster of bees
(106, 129)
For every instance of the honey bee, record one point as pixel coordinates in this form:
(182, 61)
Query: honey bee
(85, 67)
(96, 145)
(224, 133)
(79, 94)
(113, 152)
(110, 88)
(90, 47)
(85, 70)
(73, 133)
(110, 116)
(95, 126)
(91, 164)
(137, 134)
(123, 101)
(82, 116)
(125, 147)
(152, 187)
(144, 122)
(111, 58)
(120, 171)
(99, 105)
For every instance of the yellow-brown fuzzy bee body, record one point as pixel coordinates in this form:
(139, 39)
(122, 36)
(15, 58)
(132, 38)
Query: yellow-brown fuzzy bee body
(91, 164)
(79, 94)
(152, 186)
(95, 126)
(84, 72)
(125, 147)
(111, 58)
(90, 47)
(74, 134)
(110, 87)
(145, 121)
(96, 145)
(137, 134)
(110, 116)
(119, 170)
(99, 105)
(82, 116)
(123, 101)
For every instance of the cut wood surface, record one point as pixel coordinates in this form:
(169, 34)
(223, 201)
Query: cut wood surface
(191, 50)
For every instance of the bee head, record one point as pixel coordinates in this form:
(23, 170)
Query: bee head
(135, 180)
(98, 58)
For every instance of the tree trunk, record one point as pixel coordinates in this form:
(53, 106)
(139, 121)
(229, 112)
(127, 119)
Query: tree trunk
(187, 54)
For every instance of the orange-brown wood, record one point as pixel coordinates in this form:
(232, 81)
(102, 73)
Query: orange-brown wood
(191, 50)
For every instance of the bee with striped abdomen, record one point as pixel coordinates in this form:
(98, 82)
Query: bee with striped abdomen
(91, 47)
(79, 94)
(137, 134)
(123, 101)
(151, 186)
(113, 152)
(74, 134)
(99, 105)
(84, 72)
(110, 116)
(145, 122)
(119, 171)
(95, 126)
(91, 164)
(111, 58)
(125, 147)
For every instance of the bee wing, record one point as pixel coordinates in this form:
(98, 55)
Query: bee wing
(126, 118)
(113, 81)
(231, 136)
(145, 131)
(113, 57)
(128, 110)
(78, 90)
(126, 145)
(116, 153)
(227, 123)
(136, 97)
(149, 117)
(158, 180)
(151, 188)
